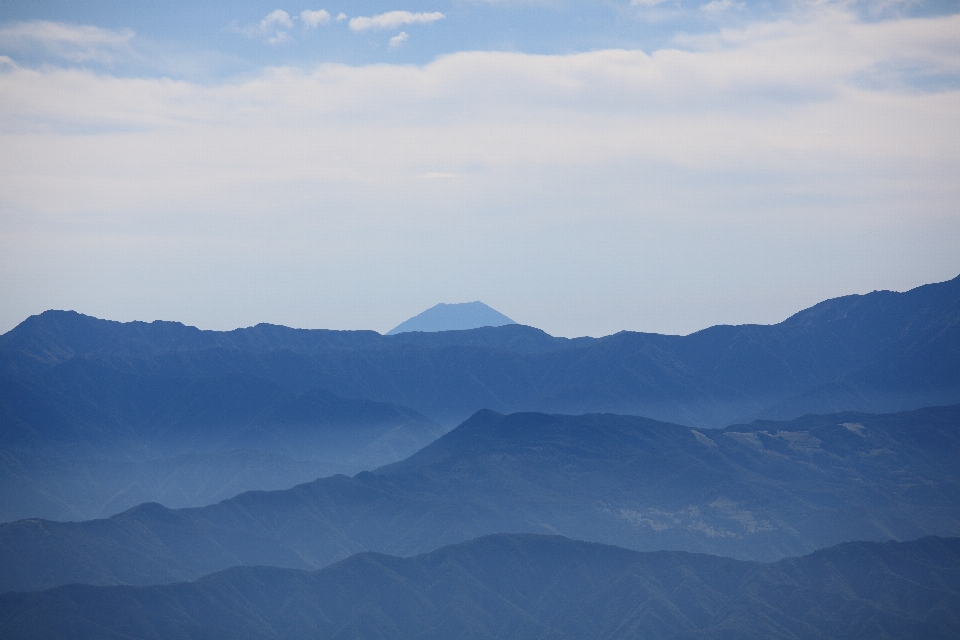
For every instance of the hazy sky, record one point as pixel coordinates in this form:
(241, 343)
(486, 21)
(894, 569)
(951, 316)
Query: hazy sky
(583, 167)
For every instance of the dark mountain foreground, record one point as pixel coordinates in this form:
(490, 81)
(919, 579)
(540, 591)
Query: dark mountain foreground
(529, 586)
(762, 491)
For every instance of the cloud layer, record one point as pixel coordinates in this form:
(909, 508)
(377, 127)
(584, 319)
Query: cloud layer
(612, 170)
(781, 92)
(76, 43)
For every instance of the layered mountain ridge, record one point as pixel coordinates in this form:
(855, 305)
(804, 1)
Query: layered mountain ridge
(882, 351)
(763, 491)
(826, 446)
(98, 416)
(525, 586)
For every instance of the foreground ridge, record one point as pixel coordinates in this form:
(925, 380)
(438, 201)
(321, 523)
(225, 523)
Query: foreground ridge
(529, 586)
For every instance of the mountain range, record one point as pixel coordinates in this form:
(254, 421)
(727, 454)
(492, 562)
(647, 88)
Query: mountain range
(762, 491)
(99, 416)
(526, 586)
(882, 351)
(492, 482)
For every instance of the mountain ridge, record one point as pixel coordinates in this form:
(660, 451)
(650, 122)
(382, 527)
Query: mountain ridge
(510, 586)
(762, 491)
(97, 416)
(883, 351)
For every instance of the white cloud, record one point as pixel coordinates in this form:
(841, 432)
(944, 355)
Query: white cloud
(777, 98)
(779, 92)
(759, 143)
(715, 7)
(277, 17)
(341, 16)
(273, 24)
(393, 19)
(273, 28)
(312, 19)
(646, 3)
(77, 43)
(398, 39)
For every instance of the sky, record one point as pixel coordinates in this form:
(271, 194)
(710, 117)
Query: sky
(582, 167)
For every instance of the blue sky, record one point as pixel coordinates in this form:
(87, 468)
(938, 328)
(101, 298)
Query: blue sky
(209, 41)
(583, 167)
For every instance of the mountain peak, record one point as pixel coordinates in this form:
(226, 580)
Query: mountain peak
(453, 317)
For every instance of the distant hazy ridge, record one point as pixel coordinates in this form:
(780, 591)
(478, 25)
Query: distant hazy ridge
(453, 317)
